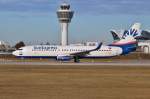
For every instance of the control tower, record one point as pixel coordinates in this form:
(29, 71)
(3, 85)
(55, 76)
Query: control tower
(64, 15)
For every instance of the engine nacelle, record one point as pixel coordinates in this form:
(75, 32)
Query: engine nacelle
(64, 57)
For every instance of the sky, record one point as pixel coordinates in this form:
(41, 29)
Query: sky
(36, 20)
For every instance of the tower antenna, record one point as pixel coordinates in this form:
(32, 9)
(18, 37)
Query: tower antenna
(65, 1)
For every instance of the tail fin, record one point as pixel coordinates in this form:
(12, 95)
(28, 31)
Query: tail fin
(130, 35)
(115, 35)
(128, 42)
(133, 32)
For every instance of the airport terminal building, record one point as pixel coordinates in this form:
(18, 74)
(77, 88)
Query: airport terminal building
(145, 46)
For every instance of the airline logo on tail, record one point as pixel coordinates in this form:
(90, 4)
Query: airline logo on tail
(129, 36)
(133, 32)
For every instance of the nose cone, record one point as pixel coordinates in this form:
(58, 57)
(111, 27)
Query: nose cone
(15, 53)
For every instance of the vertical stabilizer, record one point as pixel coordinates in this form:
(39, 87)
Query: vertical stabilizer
(128, 42)
(129, 36)
(115, 35)
(133, 32)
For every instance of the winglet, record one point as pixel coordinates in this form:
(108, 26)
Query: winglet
(88, 51)
(98, 47)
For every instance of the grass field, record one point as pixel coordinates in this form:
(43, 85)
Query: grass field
(70, 82)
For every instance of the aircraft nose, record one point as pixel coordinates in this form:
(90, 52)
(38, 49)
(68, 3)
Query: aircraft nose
(15, 53)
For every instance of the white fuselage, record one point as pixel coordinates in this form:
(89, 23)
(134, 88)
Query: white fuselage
(54, 51)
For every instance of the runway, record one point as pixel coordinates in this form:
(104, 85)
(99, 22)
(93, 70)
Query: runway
(21, 79)
(55, 63)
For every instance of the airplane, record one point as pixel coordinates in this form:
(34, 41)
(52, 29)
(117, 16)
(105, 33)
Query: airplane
(143, 35)
(66, 53)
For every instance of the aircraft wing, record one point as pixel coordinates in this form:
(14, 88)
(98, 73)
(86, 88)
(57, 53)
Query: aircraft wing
(86, 52)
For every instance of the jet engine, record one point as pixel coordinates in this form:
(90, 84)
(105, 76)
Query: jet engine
(64, 57)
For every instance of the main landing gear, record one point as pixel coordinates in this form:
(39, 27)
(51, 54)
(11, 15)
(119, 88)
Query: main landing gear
(76, 59)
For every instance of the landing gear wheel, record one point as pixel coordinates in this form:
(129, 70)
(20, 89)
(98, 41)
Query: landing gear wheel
(76, 59)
